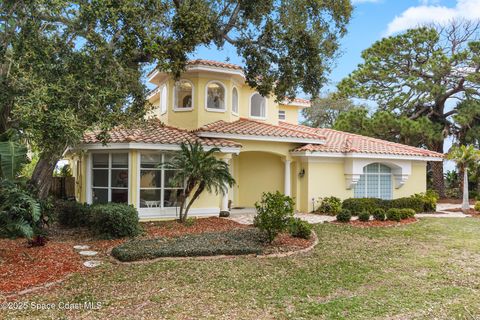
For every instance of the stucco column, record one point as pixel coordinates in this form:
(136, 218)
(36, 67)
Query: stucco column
(287, 189)
(224, 206)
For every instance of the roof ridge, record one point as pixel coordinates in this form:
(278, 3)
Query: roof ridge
(277, 126)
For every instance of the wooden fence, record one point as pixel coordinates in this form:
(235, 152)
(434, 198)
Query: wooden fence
(63, 187)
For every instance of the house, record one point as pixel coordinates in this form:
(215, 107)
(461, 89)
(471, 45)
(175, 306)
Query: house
(261, 140)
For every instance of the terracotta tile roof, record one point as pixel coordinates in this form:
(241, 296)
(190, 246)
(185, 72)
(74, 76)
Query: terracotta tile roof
(153, 131)
(212, 63)
(256, 128)
(338, 141)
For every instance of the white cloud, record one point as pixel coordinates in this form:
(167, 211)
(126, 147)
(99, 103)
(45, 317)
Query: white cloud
(429, 12)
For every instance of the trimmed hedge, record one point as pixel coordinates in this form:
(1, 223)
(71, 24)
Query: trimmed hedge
(379, 214)
(115, 220)
(300, 229)
(394, 214)
(418, 203)
(407, 213)
(414, 203)
(357, 205)
(233, 242)
(364, 216)
(344, 216)
(73, 214)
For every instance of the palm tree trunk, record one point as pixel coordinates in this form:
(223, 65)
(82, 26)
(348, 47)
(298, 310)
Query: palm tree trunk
(195, 196)
(465, 203)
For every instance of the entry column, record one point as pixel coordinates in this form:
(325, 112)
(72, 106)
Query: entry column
(224, 207)
(287, 178)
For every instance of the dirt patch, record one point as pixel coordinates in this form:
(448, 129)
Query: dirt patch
(376, 223)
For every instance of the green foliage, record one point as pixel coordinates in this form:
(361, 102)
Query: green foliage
(414, 202)
(13, 156)
(73, 214)
(330, 205)
(299, 228)
(379, 214)
(345, 215)
(274, 212)
(407, 213)
(115, 220)
(394, 214)
(233, 242)
(19, 211)
(477, 206)
(198, 170)
(357, 205)
(364, 216)
(429, 199)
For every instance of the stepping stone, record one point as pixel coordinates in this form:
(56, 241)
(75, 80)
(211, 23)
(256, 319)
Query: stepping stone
(88, 253)
(81, 247)
(92, 263)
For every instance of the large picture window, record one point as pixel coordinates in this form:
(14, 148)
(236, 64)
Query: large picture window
(157, 189)
(110, 177)
(215, 96)
(257, 106)
(375, 182)
(183, 95)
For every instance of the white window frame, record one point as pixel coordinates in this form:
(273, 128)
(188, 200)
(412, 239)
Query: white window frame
(250, 107)
(282, 115)
(225, 96)
(238, 101)
(365, 175)
(162, 181)
(175, 96)
(90, 168)
(163, 100)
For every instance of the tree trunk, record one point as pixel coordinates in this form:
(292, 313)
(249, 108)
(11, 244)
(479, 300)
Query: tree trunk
(437, 172)
(197, 193)
(42, 177)
(465, 203)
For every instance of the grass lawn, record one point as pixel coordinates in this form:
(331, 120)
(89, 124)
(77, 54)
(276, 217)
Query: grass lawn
(425, 270)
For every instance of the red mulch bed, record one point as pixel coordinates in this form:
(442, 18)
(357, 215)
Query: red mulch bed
(376, 223)
(470, 211)
(284, 242)
(454, 201)
(22, 267)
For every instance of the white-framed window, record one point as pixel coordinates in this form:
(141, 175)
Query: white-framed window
(281, 114)
(157, 189)
(375, 182)
(110, 172)
(235, 100)
(163, 99)
(215, 96)
(183, 98)
(258, 105)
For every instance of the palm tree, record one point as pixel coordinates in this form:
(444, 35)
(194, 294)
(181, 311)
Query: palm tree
(464, 157)
(198, 170)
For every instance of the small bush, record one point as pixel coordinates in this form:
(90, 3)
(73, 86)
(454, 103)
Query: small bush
(394, 214)
(364, 216)
(330, 206)
(429, 199)
(274, 212)
(415, 203)
(407, 213)
(344, 216)
(477, 206)
(115, 220)
(357, 205)
(379, 214)
(300, 229)
(73, 214)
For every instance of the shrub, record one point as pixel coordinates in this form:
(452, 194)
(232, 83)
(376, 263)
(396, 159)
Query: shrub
(330, 205)
(274, 212)
(115, 220)
(19, 212)
(407, 213)
(344, 216)
(379, 214)
(299, 228)
(364, 216)
(477, 206)
(415, 203)
(429, 199)
(357, 205)
(394, 214)
(73, 214)
(233, 242)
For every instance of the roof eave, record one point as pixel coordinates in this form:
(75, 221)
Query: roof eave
(360, 155)
(208, 134)
(148, 146)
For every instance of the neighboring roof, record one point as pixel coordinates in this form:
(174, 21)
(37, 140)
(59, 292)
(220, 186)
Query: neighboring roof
(343, 142)
(154, 131)
(247, 127)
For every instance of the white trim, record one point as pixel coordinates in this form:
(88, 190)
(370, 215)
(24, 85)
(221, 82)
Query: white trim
(171, 213)
(164, 86)
(207, 134)
(284, 114)
(148, 146)
(362, 156)
(88, 178)
(250, 107)
(175, 102)
(236, 113)
(139, 158)
(152, 93)
(225, 96)
(152, 75)
(295, 104)
(216, 69)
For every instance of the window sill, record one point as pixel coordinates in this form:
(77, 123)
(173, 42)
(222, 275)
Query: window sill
(182, 109)
(235, 114)
(215, 110)
(258, 118)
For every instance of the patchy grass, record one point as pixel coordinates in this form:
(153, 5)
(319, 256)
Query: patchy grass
(424, 270)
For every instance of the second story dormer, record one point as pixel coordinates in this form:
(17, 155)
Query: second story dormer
(210, 91)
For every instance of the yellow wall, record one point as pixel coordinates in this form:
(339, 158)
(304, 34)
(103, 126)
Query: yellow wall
(416, 183)
(291, 113)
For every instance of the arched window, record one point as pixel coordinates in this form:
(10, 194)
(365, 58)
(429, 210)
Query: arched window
(258, 106)
(183, 95)
(375, 182)
(235, 100)
(163, 100)
(215, 96)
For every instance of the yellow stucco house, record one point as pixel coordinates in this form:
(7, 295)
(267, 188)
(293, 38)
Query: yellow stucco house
(265, 147)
